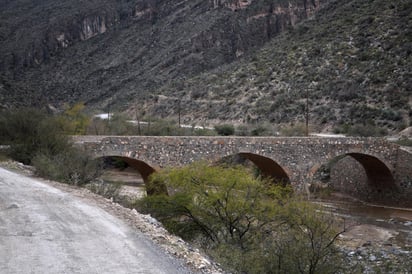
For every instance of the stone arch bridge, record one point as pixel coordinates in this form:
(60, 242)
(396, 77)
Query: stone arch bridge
(291, 159)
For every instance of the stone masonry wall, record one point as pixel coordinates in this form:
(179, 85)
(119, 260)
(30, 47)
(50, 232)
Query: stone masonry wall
(348, 176)
(403, 171)
(299, 157)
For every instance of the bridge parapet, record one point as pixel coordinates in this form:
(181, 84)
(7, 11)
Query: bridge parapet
(294, 158)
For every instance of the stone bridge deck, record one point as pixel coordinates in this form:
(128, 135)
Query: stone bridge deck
(291, 159)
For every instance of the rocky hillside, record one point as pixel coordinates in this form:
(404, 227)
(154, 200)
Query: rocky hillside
(100, 50)
(240, 61)
(352, 61)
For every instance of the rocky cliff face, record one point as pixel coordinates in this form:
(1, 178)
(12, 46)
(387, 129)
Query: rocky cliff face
(264, 19)
(73, 50)
(34, 31)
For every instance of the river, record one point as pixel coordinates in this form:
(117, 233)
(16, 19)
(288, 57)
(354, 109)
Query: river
(369, 223)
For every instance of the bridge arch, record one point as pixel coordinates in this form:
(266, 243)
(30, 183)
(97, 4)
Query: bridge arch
(142, 167)
(267, 166)
(357, 173)
(378, 173)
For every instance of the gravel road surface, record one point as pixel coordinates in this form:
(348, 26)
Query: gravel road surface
(45, 230)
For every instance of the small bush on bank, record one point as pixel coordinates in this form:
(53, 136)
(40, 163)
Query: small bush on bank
(3, 155)
(105, 189)
(294, 130)
(30, 131)
(363, 130)
(259, 131)
(242, 130)
(71, 166)
(225, 130)
(37, 138)
(404, 142)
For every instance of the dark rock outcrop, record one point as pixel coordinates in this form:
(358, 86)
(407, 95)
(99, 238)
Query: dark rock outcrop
(97, 50)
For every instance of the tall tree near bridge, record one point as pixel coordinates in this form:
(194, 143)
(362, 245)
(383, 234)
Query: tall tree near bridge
(73, 120)
(250, 225)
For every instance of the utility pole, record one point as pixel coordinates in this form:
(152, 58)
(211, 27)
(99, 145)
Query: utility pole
(178, 111)
(108, 118)
(307, 112)
(108, 112)
(148, 124)
(138, 120)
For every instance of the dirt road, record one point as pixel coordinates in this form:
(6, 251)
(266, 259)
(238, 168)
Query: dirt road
(45, 230)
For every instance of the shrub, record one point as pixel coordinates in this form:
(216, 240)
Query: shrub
(404, 142)
(225, 129)
(105, 189)
(71, 166)
(368, 130)
(38, 139)
(73, 120)
(294, 130)
(363, 130)
(302, 243)
(29, 132)
(259, 131)
(245, 223)
(118, 124)
(162, 128)
(242, 130)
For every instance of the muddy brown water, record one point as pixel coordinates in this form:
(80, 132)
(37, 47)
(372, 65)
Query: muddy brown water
(374, 223)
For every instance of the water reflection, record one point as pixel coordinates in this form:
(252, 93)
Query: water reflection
(396, 222)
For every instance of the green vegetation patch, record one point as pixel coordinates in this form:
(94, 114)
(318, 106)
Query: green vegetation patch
(40, 139)
(247, 224)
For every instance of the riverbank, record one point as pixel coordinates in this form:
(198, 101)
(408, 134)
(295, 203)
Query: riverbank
(376, 238)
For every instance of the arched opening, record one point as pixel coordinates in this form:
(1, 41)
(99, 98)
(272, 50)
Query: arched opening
(267, 167)
(144, 169)
(131, 173)
(358, 175)
(378, 174)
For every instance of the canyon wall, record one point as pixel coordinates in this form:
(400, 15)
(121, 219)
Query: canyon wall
(245, 24)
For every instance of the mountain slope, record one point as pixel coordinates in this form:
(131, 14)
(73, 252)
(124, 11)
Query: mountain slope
(204, 59)
(352, 61)
(114, 51)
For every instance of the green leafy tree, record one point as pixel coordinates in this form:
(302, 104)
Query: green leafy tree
(73, 120)
(249, 225)
(225, 204)
(305, 241)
